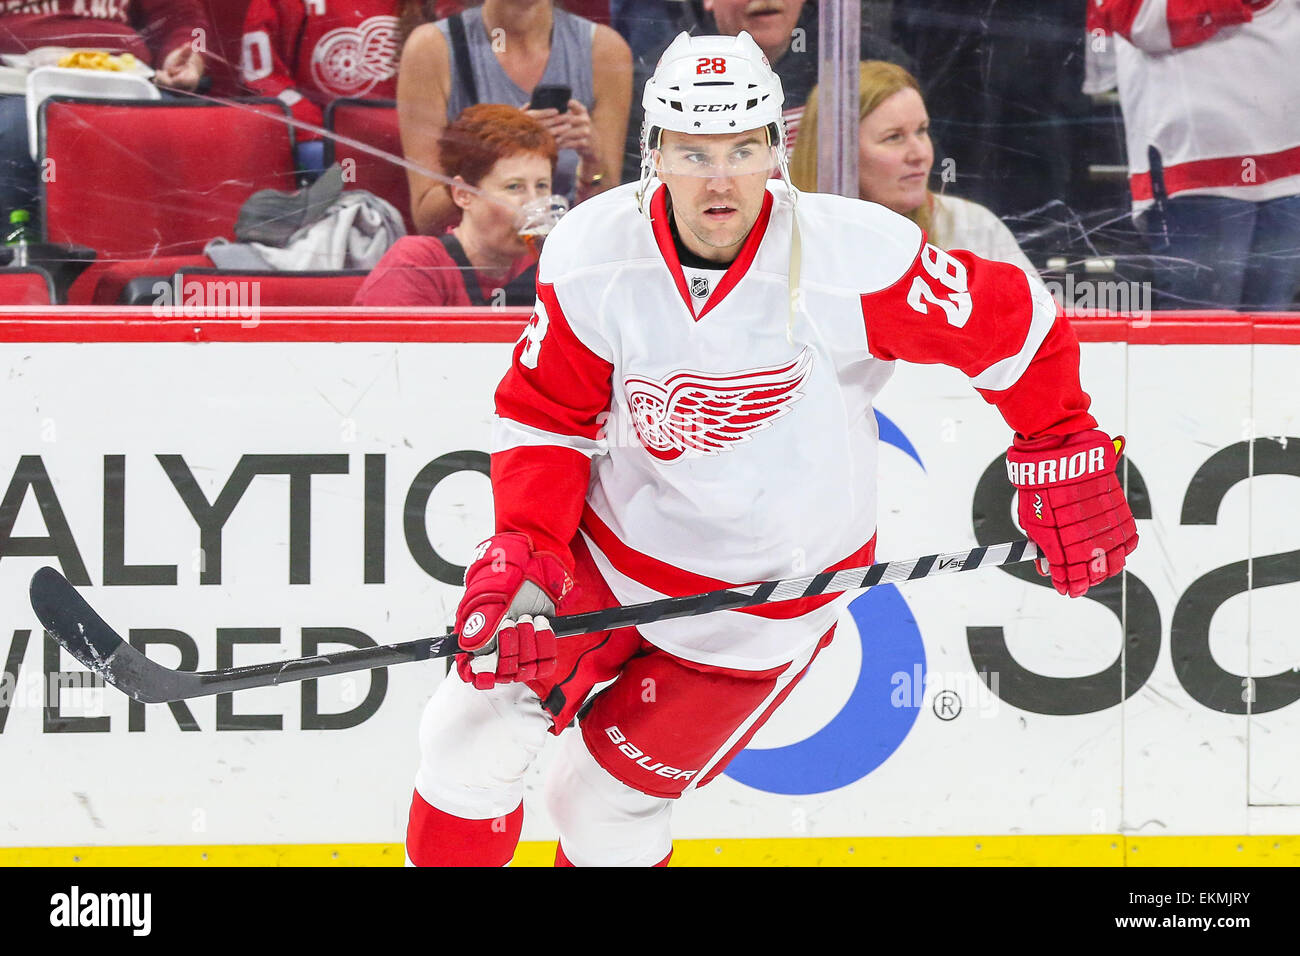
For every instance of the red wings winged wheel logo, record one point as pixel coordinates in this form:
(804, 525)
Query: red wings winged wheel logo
(704, 414)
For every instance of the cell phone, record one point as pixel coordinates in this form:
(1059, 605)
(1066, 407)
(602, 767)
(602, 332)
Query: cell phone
(551, 98)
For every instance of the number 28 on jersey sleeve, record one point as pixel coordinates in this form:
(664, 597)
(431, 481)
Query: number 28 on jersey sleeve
(954, 308)
(943, 283)
(533, 334)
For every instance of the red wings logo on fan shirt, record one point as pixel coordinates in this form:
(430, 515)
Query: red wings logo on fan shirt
(707, 414)
(349, 61)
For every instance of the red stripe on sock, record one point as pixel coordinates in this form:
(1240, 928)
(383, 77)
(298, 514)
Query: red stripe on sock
(435, 838)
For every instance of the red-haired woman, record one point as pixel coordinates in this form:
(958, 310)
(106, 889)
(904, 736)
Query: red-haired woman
(500, 159)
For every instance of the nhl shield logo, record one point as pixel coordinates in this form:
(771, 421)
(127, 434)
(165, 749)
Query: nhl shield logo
(700, 286)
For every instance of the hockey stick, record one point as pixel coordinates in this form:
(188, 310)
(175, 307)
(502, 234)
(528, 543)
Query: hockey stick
(74, 624)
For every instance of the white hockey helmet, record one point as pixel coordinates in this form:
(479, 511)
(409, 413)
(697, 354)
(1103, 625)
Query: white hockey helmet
(712, 84)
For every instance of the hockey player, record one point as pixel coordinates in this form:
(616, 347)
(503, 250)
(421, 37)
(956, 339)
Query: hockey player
(690, 408)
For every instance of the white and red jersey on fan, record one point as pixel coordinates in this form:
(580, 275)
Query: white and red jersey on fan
(707, 440)
(308, 52)
(1212, 85)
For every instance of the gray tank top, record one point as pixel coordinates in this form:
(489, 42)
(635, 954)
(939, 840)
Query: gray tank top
(569, 65)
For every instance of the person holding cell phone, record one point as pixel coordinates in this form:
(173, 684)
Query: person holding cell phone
(570, 74)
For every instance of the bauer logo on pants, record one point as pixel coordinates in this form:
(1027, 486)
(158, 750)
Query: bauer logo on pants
(645, 762)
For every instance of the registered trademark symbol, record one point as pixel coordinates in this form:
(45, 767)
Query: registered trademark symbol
(947, 705)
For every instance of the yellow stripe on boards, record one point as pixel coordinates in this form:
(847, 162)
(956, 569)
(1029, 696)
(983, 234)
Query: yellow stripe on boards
(1081, 850)
(1213, 851)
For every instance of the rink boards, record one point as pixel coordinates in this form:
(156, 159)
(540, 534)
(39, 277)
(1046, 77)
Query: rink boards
(233, 494)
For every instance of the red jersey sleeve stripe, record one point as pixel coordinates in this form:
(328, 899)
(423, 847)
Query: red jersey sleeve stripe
(1047, 398)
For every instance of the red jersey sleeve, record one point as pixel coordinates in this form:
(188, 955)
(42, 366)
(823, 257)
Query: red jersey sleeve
(992, 322)
(1158, 26)
(551, 409)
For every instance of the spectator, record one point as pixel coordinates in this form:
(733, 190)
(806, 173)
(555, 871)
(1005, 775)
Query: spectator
(1208, 92)
(499, 158)
(159, 33)
(895, 157)
(786, 31)
(309, 54)
(512, 47)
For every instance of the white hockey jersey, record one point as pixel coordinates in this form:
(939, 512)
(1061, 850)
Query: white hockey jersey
(1212, 87)
(697, 446)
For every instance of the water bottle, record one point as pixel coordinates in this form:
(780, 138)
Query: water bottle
(19, 236)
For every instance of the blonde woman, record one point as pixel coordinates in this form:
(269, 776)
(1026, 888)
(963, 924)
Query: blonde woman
(895, 156)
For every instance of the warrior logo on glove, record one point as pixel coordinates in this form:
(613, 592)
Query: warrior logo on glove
(474, 624)
(1072, 506)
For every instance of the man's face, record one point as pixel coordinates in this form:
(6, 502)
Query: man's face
(717, 183)
(769, 22)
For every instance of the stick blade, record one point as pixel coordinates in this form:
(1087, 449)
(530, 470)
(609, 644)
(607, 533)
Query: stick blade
(74, 624)
(71, 621)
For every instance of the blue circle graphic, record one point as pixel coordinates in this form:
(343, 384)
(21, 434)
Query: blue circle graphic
(882, 707)
(877, 717)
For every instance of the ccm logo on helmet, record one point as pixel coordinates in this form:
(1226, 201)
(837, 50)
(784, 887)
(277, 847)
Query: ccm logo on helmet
(713, 107)
(1024, 473)
(644, 762)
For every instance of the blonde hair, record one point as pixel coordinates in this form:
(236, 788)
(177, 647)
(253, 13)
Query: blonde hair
(878, 80)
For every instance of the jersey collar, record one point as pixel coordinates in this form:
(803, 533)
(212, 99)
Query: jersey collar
(735, 272)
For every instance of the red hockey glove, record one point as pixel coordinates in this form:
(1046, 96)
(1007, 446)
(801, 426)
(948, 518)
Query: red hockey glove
(1071, 506)
(509, 591)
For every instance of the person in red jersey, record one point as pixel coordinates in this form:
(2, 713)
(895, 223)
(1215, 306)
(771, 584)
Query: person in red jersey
(308, 52)
(691, 408)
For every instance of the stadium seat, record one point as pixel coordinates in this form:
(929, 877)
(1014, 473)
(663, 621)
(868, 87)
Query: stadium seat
(103, 283)
(373, 122)
(26, 286)
(139, 179)
(142, 179)
(224, 289)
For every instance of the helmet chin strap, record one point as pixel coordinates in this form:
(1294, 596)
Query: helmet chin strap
(647, 168)
(796, 262)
